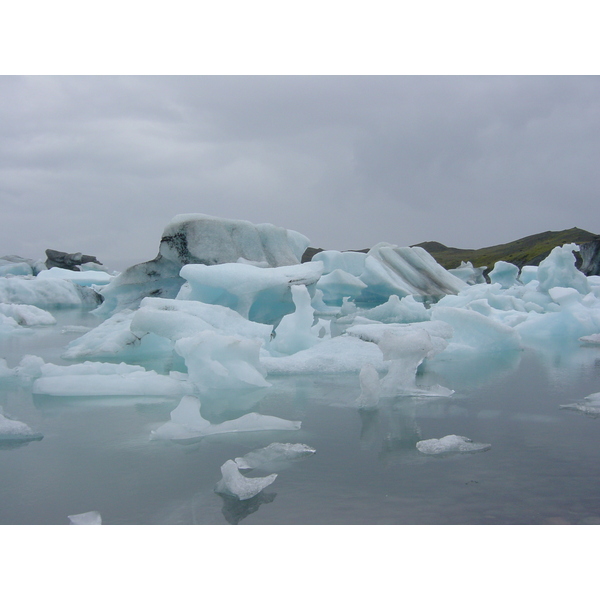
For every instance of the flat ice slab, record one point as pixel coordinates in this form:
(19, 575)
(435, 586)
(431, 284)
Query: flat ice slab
(451, 444)
(16, 430)
(274, 456)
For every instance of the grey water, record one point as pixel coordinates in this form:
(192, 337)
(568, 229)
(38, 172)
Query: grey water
(96, 453)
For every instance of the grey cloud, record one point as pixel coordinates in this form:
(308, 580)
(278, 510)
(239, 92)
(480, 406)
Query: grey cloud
(101, 164)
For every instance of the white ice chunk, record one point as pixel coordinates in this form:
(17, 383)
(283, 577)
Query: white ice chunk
(350, 262)
(451, 444)
(26, 315)
(592, 340)
(85, 278)
(406, 271)
(476, 333)
(176, 319)
(504, 273)
(528, 274)
(295, 331)
(558, 270)
(221, 361)
(89, 518)
(257, 294)
(46, 293)
(590, 405)
(369, 387)
(16, 430)
(274, 456)
(243, 488)
(396, 310)
(336, 355)
(187, 423)
(339, 284)
(106, 379)
(468, 273)
(114, 338)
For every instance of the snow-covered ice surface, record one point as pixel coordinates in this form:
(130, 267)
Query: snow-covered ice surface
(364, 362)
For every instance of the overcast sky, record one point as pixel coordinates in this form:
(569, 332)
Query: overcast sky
(100, 164)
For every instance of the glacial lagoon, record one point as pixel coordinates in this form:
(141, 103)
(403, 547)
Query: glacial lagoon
(97, 454)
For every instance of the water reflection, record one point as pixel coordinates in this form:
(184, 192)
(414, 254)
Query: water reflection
(235, 510)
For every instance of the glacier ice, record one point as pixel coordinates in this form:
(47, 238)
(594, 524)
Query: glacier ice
(235, 484)
(369, 387)
(12, 430)
(590, 405)
(406, 271)
(451, 444)
(92, 517)
(106, 379)
(26, 315)
(258, 294)
(274, 457)
(504, 273)
(187, 423)
(84, 278)
(352, 263)
(468, 273)
(340, 284)
(47, 293)
(204, 240)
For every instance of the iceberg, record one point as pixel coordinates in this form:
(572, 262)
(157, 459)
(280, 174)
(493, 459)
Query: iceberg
(339, 284)
(274, 456)
(85, 278)
(107, 379)
(350, 262)
(203, 240)
(559, 270)
(47, 293)
(369, 387)
(451, 444)
(590, 405)
(12, 430)
(468, 273)
(406, 271)
(235, 484)
(187, 423)
(88, 518)
(258, 294)
(505, 274)
(26, 315)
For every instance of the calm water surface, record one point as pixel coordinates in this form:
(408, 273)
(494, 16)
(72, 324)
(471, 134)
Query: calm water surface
(543, 467)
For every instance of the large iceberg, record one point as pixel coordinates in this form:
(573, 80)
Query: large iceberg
(204, 240)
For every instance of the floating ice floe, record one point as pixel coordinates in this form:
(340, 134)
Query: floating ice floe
(27, 315)
(187, 423)
(590, 405)
(11, 430)
(235, 484)
(592, 340)
(46, 293)
(107, 379)
(274, 456)
(88, 518)
(451, 444)
(84, 278)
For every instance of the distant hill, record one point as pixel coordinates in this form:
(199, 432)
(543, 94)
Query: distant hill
(530, 250)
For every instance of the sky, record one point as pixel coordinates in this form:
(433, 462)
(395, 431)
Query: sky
(100, 164)
(352, 127)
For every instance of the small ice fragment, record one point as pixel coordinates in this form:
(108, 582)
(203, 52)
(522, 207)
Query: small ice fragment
(273, 453)
(89, 518)
(369, 387)
(234, 483)
(450, 444)
(592, 340)
(16, 430)
(590, 405)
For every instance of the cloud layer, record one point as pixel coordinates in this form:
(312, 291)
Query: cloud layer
(101, 164)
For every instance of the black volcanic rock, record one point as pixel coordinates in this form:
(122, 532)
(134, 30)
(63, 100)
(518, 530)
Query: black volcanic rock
(63, 260)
